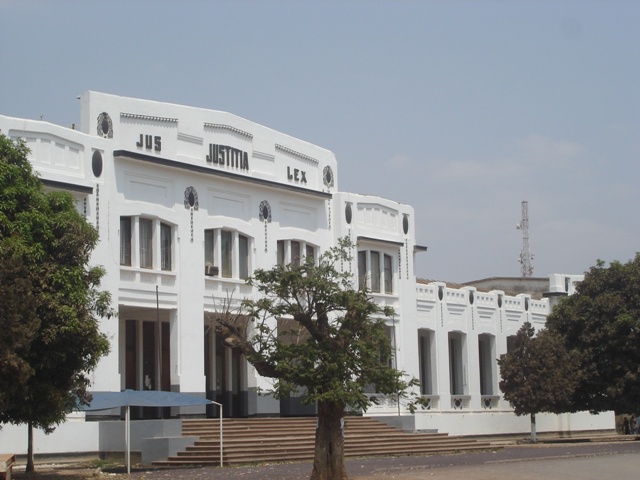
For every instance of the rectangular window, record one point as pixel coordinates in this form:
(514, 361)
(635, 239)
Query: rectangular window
(226, 253)
(295, 253)
(125, 241)
(280, 258)
(210, 268)
(424, 356)
(485, 363)
(388, 274)
(375, 271)
(146, 243)
(208, 252)
(310, 252)
(362, 270)
(165, 244)
(243, 256)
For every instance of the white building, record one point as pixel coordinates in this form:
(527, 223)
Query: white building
(188, 202)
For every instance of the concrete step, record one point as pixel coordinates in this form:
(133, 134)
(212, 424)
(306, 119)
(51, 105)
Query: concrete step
(293, 439)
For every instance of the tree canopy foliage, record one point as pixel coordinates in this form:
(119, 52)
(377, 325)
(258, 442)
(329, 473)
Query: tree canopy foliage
(600, 325)
(49, 297)
(309, 328)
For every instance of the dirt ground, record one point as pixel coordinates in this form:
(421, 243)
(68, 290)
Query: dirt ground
(72, 471)
(553, 461)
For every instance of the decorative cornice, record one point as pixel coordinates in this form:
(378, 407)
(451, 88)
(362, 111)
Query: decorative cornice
(222, 126)
(148, 118)
(264, 156)
(190, 138)
(294, 153)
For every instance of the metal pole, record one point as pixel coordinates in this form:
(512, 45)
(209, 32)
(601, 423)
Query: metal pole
(221, 441)
(128, 435)
(395, 354)
(158, 343)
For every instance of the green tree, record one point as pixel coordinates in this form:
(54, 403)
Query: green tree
(49, 316)
(600, 324)
(311, 329)
(18, 325)
(538, 375)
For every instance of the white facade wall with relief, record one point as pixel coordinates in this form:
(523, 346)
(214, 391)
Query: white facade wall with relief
(188, 202)
(461, 333)
(383, 234)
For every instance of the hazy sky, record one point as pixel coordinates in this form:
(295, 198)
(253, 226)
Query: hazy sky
(462, 109)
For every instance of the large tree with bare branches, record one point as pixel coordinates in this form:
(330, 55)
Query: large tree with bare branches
(310, 328)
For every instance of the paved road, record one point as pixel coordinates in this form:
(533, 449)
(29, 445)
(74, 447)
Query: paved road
(587, 461)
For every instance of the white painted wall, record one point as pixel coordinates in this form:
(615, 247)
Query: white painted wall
(292, 176)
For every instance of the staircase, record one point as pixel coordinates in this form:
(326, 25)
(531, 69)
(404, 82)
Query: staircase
(292, 439)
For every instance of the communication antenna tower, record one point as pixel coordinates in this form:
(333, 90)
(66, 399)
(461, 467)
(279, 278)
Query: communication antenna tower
(525, 258)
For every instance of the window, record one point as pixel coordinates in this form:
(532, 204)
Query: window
(295, 253)
(125, 241)
(291, 251)
(427, 361)
(362, 270)
(243, 256)
(146, 243)
(457, 363)
(375, 271)
(388, 274)
(140, 238)
(281, 253)
(165, 246)
(209, 247)
(486, 346)
(226, 253)
(310, 252)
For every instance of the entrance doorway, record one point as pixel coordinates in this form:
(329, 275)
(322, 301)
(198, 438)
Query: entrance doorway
(225, 372)
(147, 362)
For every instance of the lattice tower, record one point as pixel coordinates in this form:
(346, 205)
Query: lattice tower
(526, 257)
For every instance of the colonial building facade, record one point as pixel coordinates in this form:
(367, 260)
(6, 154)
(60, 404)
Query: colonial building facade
(189, 202)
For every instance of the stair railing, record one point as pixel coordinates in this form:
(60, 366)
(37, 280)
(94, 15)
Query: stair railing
(221, 449)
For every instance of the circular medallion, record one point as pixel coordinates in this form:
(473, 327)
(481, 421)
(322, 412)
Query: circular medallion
(327, 176)
(191, 198)
(96, 163)
(105, 125)
(264, 211)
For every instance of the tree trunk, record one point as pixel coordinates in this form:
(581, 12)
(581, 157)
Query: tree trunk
(534, 439)
(328, 463)
(30, 463)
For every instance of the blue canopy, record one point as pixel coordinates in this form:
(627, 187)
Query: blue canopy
(145, 398)
(142, 398)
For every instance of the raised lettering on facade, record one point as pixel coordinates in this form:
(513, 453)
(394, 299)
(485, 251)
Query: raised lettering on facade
(150, 142)
(226, 156)
(296, 175)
